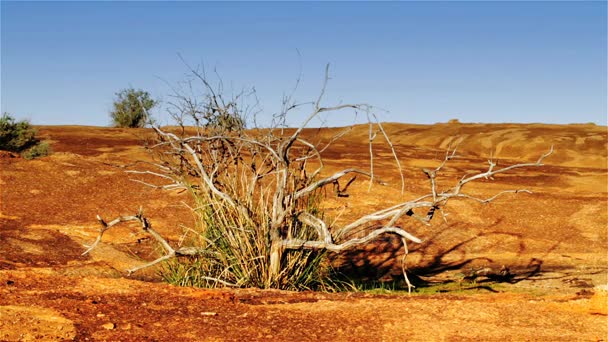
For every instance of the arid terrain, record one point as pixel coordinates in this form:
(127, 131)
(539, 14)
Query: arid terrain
(554, 243)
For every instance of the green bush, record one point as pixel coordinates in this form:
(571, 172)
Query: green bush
(16, 136)
(41, 150)
(131, 108)
(20, 137)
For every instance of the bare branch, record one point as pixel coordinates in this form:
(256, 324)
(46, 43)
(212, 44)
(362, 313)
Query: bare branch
(323, 87)
(146, 227)
(172, 186)
(390, 144)
(297, 243)
(320, 225)
(399, 209)
(491, 172)
(151, 263)
(330, 180)
(490, 199)
(105, 226)
(371, 154)
(404, 266)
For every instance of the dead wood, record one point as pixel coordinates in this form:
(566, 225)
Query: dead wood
(265, 181)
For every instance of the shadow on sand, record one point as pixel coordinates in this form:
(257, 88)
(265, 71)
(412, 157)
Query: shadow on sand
(380, 264)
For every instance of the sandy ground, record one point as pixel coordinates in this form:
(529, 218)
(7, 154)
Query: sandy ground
(554, 241)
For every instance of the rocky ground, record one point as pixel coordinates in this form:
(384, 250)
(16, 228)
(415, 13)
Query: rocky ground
(554, 243)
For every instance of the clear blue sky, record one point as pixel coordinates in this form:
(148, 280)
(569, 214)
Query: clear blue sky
(424, 62)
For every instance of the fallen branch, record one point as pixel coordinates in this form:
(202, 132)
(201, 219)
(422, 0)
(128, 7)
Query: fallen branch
(146, 227)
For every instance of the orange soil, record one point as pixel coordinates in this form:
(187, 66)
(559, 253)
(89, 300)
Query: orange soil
(554, 241)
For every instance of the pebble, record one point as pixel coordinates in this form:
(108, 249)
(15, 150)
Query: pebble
(109, 326)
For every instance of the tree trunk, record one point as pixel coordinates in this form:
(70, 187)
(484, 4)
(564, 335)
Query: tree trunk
(276, 254)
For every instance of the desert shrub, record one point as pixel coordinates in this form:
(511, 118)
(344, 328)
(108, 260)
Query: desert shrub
(16, 136)
(20, 137)
(40, 150)
(256, 197)
(131, 108)
(213, 111)
(238, 251)
(229, 119)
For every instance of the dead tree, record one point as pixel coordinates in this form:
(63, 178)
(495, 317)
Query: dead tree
(256, 187)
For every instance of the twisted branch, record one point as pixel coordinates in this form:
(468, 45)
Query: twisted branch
(146, 227)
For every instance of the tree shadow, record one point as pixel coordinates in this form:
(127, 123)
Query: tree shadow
(380, 263)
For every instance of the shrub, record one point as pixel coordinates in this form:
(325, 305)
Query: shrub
(41, 150)
(131, 108)
(20, 137)
(257, 193)
(16, 136)
(238, 251)
(229, 118)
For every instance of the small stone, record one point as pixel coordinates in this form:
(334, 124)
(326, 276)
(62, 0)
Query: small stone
(208, 313)
(101, 315)
(109, 326)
